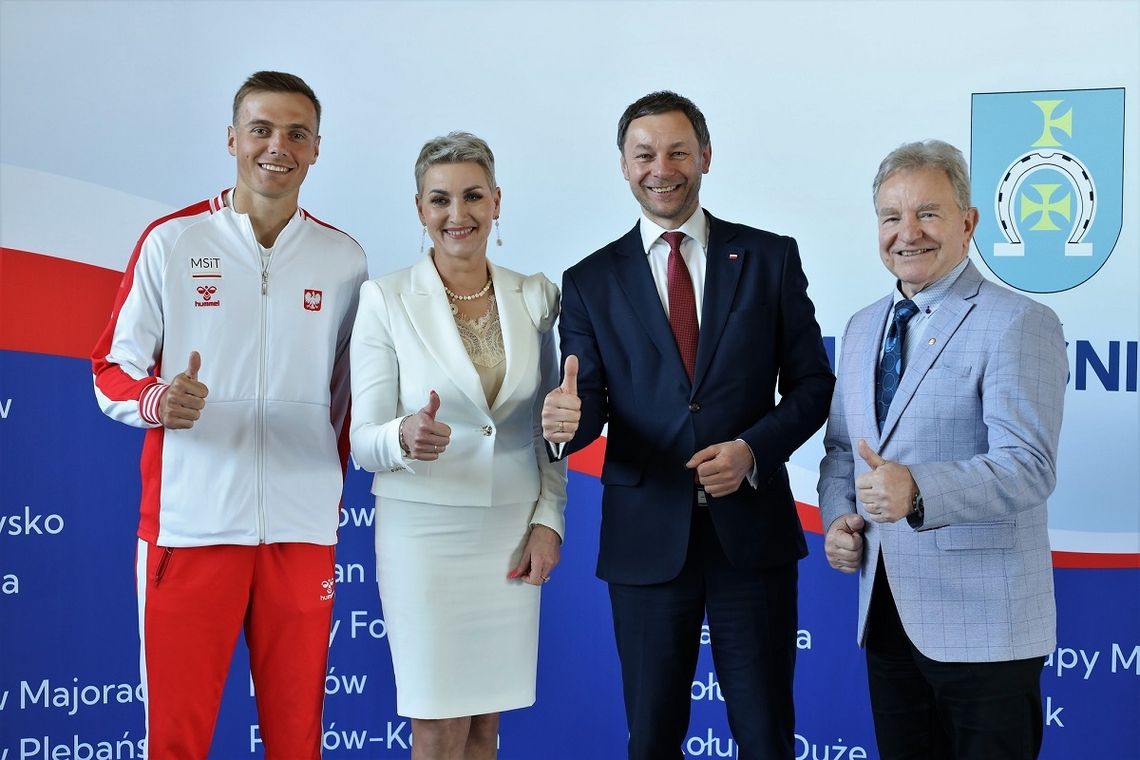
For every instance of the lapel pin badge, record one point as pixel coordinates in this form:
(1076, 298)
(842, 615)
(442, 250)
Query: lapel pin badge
(733, 256)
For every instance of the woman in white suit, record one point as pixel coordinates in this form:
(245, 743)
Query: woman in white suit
(451, 359)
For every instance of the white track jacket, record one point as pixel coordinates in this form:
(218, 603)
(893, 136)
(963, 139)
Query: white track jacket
(265, 462)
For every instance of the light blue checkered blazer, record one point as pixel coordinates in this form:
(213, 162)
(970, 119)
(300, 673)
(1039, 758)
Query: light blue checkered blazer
(976, 419)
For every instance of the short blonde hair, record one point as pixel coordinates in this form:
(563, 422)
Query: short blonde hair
(455, 148)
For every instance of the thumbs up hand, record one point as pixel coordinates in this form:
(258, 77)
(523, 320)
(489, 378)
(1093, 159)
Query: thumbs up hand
(562, 409)
(888, 490)
(422, 437)
(183, 400)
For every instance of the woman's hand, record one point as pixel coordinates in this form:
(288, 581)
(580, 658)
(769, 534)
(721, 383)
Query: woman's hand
(540, 556)
(421, 436)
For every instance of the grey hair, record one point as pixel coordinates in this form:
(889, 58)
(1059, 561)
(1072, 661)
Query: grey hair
(920, 155)
(455, 148)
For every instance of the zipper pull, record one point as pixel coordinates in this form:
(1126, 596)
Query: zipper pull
(160, 571)
(264, 282)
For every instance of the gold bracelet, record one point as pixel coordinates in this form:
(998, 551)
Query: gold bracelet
(400, 430)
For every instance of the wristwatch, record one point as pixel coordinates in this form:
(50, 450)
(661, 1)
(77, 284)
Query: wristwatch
(917, 512)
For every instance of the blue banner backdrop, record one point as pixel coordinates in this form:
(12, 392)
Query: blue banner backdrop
(70, 671)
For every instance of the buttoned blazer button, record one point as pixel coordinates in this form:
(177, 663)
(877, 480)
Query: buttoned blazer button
(694, 407)
(487, 430)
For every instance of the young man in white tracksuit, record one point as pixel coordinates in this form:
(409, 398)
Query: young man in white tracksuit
(229, 343)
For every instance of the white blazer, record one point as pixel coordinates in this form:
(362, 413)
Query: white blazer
(405, 344)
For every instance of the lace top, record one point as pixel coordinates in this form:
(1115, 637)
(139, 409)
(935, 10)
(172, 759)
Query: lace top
(483, 340)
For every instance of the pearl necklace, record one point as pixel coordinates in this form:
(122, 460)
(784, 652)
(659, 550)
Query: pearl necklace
(451, 294)
(456, 297)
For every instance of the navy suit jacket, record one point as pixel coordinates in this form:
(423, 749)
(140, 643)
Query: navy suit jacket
(758, 336)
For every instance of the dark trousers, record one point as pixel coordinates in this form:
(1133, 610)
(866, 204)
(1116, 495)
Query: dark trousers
(929, 710)
(752, 623)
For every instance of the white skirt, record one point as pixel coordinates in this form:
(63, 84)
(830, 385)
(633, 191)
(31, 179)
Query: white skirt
(464, 637)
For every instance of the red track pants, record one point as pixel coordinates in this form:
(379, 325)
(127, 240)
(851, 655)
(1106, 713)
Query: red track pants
(194, 601)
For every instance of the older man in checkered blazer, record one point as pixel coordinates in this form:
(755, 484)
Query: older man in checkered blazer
(941, 450)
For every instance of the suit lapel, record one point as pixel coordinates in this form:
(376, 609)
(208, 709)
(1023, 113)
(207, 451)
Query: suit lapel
(518, 332)
(869, 370)
(945, 322)
(724, 262)
(636, 281)
(431, 318)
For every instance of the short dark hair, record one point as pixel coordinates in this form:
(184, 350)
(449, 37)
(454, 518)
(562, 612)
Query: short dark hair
(663, 102)
(275, 81)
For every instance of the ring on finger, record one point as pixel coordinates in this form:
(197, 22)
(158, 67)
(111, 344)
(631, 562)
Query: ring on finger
(546, 579)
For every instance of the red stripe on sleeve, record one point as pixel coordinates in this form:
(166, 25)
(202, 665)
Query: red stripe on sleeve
(112, 381)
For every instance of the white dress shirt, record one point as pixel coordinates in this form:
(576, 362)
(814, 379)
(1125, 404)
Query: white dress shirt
(693, 248)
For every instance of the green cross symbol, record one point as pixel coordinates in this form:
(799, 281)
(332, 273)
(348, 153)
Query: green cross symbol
(1046, 206)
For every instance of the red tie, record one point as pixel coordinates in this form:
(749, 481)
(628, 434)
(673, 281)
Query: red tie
(682, 305)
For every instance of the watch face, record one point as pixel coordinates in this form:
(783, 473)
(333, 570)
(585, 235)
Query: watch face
(917, 512)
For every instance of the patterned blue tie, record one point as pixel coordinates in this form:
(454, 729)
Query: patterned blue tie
(890, 368)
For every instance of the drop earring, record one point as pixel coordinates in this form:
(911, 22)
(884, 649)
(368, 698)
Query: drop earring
(423, 237)
(498, 235)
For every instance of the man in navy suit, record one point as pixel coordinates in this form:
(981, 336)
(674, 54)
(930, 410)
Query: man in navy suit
(679, 334)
